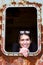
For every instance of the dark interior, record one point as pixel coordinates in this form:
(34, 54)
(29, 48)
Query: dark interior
(20, 18)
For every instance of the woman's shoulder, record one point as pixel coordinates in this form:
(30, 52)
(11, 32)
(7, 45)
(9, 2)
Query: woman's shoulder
(15, 47)
(33, 47)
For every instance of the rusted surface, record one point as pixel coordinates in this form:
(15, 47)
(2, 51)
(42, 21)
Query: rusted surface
(42, 37)
(20, 3)
(42, 29)
(37, 4)
(0, 18)
(1, 10)
(0, 26)
(42, 34)
(14, 3)
(6, 60)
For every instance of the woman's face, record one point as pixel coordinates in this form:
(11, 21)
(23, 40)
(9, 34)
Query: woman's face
(24, 41)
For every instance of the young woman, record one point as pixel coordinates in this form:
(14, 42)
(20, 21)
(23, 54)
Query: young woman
(23, 47)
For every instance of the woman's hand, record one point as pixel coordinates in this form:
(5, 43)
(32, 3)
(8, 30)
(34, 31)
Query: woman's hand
(24, 51)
